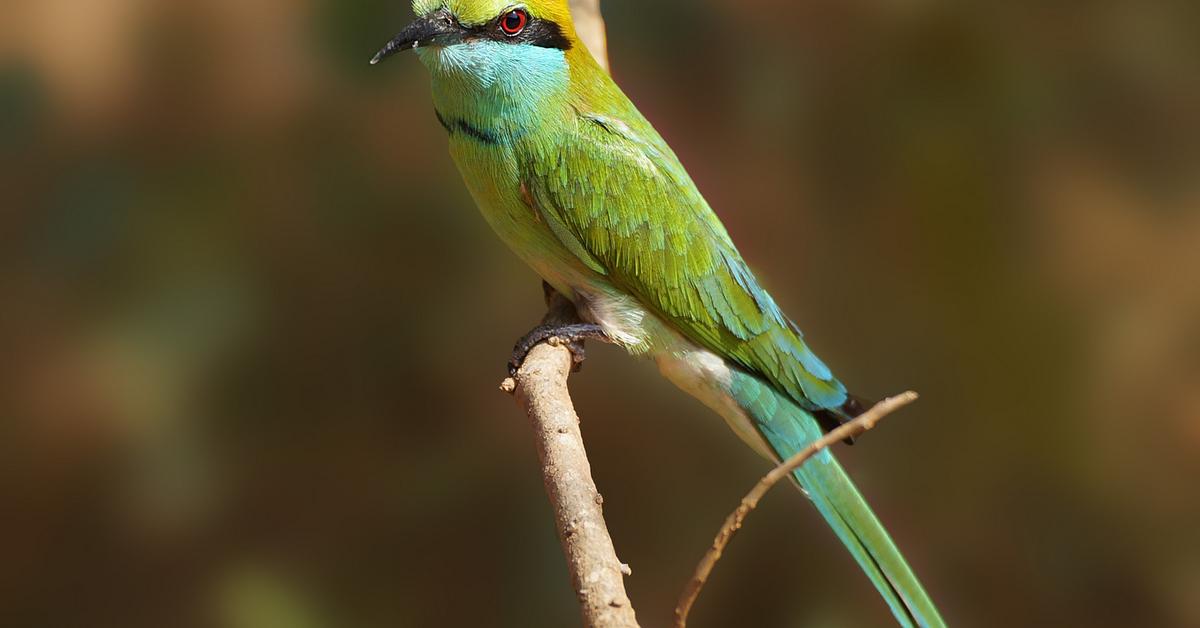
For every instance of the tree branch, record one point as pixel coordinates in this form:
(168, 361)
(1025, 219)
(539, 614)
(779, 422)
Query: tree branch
(737, 518)
(541, 389)
(589, 25)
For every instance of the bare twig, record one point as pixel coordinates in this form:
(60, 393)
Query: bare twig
(541, 389)
(734, 521)
(589, 25)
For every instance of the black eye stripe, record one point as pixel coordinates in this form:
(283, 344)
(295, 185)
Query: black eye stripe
(537, 32)
(543, 33)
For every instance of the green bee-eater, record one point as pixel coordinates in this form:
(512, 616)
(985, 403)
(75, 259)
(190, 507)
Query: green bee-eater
(576, 181)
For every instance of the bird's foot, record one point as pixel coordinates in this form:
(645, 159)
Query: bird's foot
(570, 336)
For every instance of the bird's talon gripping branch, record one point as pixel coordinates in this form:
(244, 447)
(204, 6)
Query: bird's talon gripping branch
(569, 336)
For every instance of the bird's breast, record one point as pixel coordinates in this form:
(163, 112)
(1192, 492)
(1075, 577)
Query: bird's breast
(492, 173)
(493, 177)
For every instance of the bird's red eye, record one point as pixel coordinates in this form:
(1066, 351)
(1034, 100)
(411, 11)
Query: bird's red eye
(514, 22)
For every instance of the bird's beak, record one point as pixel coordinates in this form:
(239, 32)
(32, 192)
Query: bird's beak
(436, 29)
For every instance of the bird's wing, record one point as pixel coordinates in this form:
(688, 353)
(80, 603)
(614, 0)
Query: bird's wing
(617, 197)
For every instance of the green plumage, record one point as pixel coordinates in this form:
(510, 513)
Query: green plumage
(624, 201)
(576, 181)
(790, 429)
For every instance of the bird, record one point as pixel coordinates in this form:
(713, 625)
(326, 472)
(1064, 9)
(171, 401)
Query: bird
(576, 181)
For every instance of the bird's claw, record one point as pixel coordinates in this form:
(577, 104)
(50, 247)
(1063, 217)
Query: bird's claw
(569, 336)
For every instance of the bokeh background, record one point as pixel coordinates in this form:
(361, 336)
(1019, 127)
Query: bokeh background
(251, 324)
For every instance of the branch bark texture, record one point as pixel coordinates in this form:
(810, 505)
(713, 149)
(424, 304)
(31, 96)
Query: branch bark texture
(597, 575)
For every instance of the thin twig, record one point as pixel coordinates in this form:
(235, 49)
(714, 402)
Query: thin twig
(734, 521)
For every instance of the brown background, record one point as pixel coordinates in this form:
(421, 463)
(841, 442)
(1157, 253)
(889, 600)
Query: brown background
(251, 325)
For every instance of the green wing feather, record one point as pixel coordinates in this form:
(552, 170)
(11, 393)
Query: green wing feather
(616, 196)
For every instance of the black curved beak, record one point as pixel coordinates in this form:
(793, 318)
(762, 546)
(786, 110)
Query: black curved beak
(436, 29)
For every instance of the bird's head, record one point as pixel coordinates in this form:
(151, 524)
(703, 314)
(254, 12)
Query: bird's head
(480, 37)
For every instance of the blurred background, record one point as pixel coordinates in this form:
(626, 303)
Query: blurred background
(251, 324)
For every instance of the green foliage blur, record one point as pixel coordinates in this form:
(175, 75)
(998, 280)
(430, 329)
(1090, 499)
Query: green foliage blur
(251, 325)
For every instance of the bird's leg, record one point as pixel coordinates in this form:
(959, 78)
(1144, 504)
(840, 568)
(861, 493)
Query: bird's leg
(569, 335)
(561, 326)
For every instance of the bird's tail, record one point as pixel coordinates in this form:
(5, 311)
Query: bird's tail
(789, 429)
